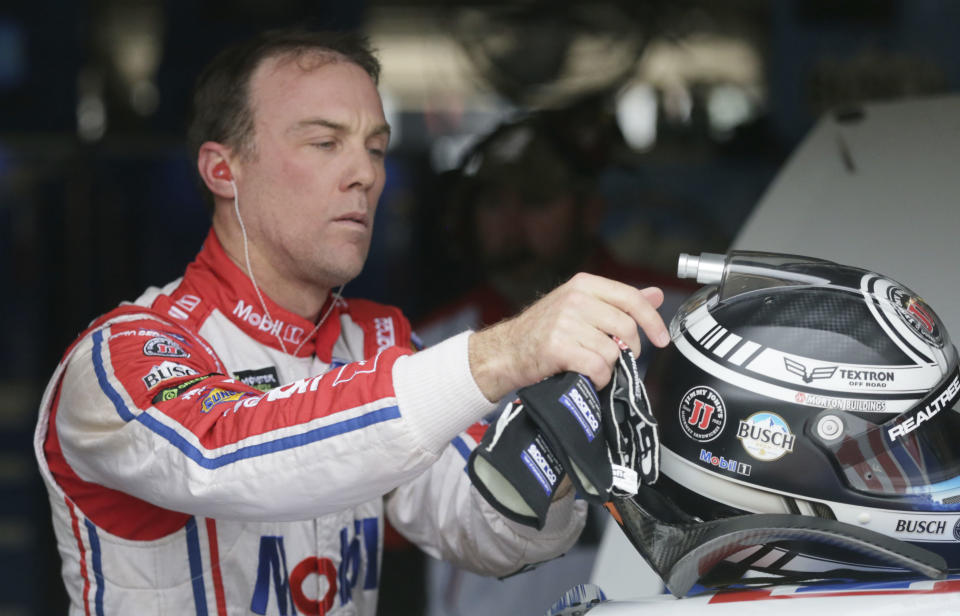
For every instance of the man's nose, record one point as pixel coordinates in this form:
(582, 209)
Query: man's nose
(362, 169)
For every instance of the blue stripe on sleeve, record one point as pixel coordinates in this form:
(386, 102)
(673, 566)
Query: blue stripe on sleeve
(251, 451)
(461, 446)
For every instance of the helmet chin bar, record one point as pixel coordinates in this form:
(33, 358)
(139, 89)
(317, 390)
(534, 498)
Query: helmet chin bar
(682, 549)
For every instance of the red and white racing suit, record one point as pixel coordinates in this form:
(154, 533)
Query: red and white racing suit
(195, 467)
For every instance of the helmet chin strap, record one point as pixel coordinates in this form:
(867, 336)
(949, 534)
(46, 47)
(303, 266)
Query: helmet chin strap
(263, 305)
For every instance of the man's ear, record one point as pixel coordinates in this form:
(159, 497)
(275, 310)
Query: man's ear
(213, 163)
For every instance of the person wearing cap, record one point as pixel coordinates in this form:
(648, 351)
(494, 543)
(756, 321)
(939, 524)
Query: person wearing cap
(524, 214)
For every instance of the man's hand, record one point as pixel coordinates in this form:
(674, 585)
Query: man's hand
(570, 328)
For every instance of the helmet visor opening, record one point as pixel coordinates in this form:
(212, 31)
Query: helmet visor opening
(908, 455)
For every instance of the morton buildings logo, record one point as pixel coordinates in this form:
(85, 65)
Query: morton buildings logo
(703, 414)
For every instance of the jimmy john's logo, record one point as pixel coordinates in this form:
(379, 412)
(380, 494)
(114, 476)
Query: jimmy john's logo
(703, 414)
(263, 379)
(164, 346)
(916, 314)
(766, 436)
(166, 370)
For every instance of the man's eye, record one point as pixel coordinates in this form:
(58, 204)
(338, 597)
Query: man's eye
(324, 145)
(376, 152)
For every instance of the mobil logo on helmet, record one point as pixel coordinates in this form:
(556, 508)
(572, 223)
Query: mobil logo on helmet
(290, 590)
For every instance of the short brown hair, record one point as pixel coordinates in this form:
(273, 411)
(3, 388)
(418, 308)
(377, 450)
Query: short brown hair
(221, 98)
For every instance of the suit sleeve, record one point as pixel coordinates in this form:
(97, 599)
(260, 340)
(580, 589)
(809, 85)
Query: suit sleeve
(459, 526)
(146, 409)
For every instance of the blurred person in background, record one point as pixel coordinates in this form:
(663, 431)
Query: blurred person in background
(523, 214)
(232, 442)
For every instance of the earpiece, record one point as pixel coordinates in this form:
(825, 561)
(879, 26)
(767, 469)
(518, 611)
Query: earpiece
(222, 171)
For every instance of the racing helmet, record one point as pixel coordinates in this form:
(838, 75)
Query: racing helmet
(796, 385)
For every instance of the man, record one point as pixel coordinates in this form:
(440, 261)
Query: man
(178, 486)
(524, 211)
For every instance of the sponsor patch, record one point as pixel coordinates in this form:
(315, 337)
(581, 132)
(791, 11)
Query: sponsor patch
(584, 407)
(766, 436)
(220, 396)
(183, 306)
(921, 527)
(876, 379)
(843, 404)
(263, 379)
(174, 392)
(542, 465)
(916, 314)
(956, 530)
(147, 333)
(275, 327)
(385, 332)
(728, 465)
(703, 415)
(164, 346)
(166, 370)
(936, 401)
(808, 375)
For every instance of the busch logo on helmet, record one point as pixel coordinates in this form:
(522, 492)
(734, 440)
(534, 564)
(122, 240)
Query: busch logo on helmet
(766, 436)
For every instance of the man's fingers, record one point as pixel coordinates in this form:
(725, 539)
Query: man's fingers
(640, 304)
(646, 315)
(611, 321)
(654, 295)
(593, 360)
(568, 329)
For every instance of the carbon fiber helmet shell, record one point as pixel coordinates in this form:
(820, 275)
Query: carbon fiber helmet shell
(797, 385)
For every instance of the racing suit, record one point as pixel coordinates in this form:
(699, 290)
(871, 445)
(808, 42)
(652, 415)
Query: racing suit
(196, 464)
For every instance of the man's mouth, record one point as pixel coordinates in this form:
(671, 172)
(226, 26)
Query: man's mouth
(359, 218)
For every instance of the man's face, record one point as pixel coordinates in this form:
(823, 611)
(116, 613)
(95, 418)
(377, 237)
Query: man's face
(309, 191)
(521, 237)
